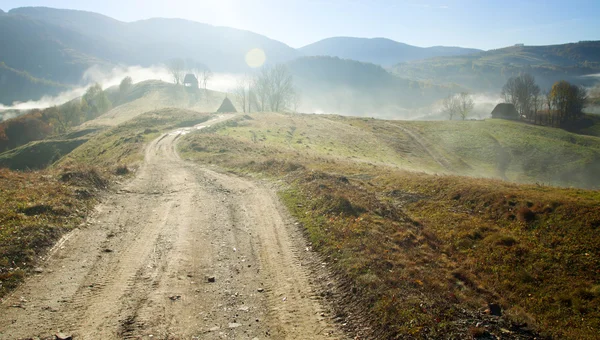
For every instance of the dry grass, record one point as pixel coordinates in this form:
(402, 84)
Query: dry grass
(37, 209)
(426, 253)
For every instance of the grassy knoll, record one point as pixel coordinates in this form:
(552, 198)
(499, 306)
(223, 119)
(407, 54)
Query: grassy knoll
(492, 148)
(37, 208)
(154, 95)
(124, 144)
(425, 253)
(38, 154)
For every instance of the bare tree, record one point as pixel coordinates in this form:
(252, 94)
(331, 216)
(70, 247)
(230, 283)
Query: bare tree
(176, 68)
(449, 106)
(273, 88)
(205, 76)
(459, 104)
(282, 88)
(242, 93)
(260, 90)
(295, 101)
(195, 68)
(522, 92)
(465, 104)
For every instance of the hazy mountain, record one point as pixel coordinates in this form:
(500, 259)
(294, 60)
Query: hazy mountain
(358, 88)
(489, 70)
(21, 86)
(46, 51)
(380, 51)
(65, 33)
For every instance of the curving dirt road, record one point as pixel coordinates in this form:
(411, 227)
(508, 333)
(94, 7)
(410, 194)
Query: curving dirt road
(143, 265)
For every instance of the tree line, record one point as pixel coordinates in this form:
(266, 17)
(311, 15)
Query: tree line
(38, 124)
(560, 106)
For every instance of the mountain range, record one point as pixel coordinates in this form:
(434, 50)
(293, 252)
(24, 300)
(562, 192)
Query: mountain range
(44, 51)
(380, 51)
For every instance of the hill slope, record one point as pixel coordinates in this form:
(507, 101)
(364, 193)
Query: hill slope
(380, 51)
(490, 69)
(423, 255)
(158, 40)
(351, 87)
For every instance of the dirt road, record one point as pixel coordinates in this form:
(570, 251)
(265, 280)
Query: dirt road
(143, 265)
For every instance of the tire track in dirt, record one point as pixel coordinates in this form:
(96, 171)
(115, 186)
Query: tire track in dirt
(140, 268)
(425, 145)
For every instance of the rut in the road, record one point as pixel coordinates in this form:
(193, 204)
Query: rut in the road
(140, 267)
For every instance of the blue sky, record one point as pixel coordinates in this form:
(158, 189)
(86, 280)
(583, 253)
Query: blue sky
(481, 24)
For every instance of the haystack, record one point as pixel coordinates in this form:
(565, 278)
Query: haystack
(227, 106)
(505, 111)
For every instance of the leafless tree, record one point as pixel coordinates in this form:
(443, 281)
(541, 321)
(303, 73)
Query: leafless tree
(459, 104)
(522, 92)
(242, 93)
(176, 68)
(449, 106)
(273, 88)
(205, 76)
(465, 104)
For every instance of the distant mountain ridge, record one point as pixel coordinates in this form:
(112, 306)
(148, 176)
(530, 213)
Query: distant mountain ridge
(489, 70)
(45, 50)
(382, 51)
(157, 40)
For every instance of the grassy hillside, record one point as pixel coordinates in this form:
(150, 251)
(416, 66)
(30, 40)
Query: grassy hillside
(124, 144)
(39, 154)
(424, 254)
(516, 151)
(154, 95)
(37, 208)
(489, 70)
(21, 86)
(492, 148)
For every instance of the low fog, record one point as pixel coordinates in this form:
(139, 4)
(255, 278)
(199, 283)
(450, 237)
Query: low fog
(112, 77)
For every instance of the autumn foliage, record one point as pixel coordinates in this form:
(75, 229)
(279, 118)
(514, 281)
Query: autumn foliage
(38, 124)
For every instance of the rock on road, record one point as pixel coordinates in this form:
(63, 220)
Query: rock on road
(180, 252)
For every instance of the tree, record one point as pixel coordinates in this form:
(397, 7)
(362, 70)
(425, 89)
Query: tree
(205, 76)
(241, 92)
(56, 119)
(125, 85)
(522, 92)
(465, 104)
(568, 101)
(3, 139)
(449, 106)
(72, 112)
(273, 88)
(460, 104)
(96, 101)
(176, 69)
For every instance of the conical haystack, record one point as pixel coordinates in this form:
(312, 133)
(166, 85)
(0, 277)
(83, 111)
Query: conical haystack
(227, 106)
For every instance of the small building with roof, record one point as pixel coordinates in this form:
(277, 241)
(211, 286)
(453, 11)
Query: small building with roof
(505, 111)
(190, 80)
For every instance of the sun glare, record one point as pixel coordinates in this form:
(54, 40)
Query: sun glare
(255, 57)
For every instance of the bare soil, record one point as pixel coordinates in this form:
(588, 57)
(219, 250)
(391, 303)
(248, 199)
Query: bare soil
(179, 252)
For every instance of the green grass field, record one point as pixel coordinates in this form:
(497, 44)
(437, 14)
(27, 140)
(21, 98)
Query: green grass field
(425, 250)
